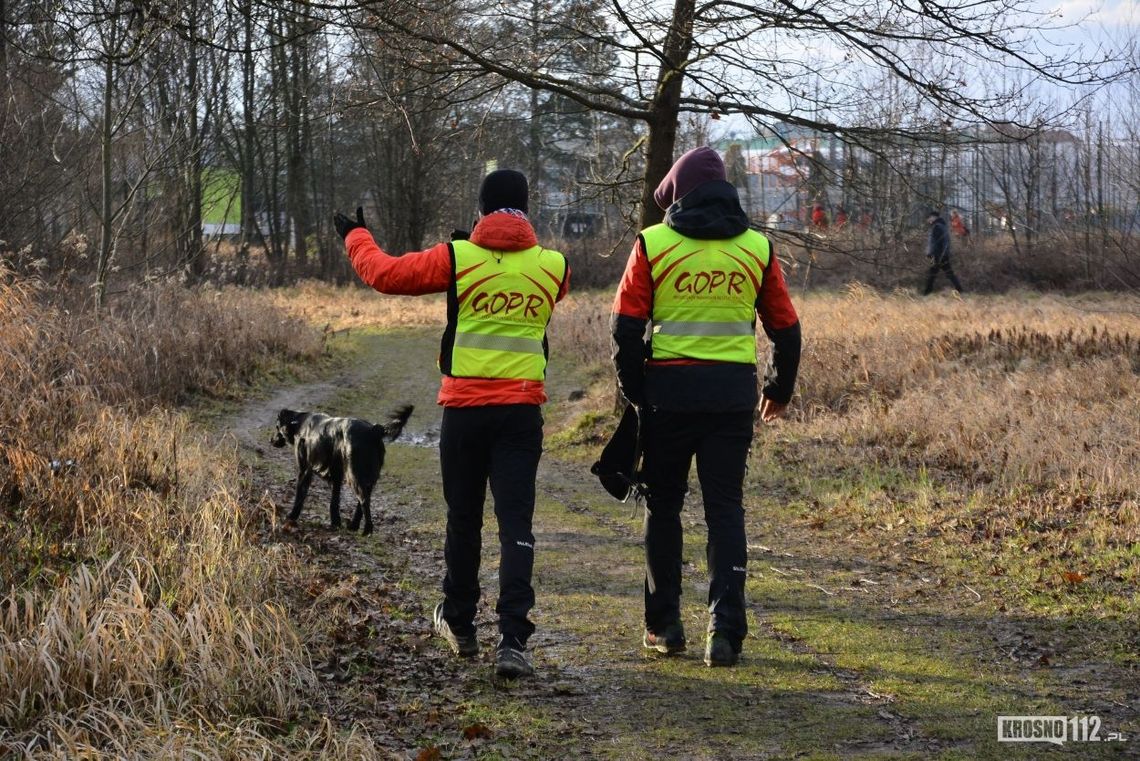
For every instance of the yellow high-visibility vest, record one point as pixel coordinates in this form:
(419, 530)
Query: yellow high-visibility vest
(502, 303)
(704, 294)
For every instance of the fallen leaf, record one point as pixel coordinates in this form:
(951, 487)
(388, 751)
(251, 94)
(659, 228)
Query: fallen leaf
(430, 753)
(476, 732)
(1073, 577)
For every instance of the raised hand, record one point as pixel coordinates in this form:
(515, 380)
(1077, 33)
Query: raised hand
(344, 225)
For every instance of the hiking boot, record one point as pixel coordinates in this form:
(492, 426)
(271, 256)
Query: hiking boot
(465, 646)
(670, 641)
(721, 652)
(511, 663)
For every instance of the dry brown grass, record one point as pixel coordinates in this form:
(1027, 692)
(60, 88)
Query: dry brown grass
(337, 308)
(73, 389)
(137, 619)
(580, 329)
(1028, 405)
(1007, 389)
(580, 324)
(130, 738)
(1022, 387)
(990, 264)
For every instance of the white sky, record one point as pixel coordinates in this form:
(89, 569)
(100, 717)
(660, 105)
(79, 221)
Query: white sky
(1098, 14)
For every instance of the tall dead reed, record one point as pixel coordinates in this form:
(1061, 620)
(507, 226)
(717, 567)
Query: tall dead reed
(1012, 389)
(338, 308)
(137, 617)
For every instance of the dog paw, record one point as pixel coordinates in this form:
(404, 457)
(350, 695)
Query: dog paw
(367, 530)
(290, 527)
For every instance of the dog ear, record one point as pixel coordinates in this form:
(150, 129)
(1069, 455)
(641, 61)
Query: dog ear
(289, 421)
(293, 424)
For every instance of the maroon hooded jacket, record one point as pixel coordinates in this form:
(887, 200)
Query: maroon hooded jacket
(699, 203)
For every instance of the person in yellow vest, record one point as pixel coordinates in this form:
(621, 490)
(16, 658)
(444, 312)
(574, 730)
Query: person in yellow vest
(501, 290)
(698, 281)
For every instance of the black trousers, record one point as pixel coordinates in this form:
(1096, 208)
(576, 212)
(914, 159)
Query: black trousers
(936, 265)
(720, 442)
(500, 446)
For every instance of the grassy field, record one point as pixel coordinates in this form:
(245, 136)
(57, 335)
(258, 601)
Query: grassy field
(933, 544)
(140, 616)
(945, 529)
(1002, 430)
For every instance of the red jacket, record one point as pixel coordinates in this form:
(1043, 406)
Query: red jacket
(819, 217)
(635, 292)
(430, 271)
(695, 385)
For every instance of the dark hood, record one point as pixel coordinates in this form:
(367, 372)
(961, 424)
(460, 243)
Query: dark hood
(692, 170)
(711, 211)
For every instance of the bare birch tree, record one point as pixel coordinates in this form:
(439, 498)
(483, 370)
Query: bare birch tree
(784, 62)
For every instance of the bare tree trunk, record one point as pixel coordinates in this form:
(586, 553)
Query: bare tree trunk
(665, 108)
(535, 169)
(192, 235)
(106, 227)
(4, 47)
(1101, 209)
(296, 131)
(248, 145)
(329, 246)
(1087, 206)
(271, 159)
(1030, 171)
(658, 159)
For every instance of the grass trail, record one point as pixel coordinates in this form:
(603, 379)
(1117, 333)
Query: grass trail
(851, 654)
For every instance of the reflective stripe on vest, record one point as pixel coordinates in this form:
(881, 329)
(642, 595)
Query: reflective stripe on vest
(704, 294)
(503, 301)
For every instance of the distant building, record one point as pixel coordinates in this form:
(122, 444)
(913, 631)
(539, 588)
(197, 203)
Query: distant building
(221, 229)
(997, 177)
(780, 177)
(221, 203)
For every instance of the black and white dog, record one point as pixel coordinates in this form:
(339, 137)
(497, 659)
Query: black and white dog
(338, 449)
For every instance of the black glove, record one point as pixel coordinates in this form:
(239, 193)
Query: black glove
(460, 234)
(344, 225)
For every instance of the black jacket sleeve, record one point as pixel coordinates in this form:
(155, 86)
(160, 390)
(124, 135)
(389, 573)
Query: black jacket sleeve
(629, 353)
(781, 379)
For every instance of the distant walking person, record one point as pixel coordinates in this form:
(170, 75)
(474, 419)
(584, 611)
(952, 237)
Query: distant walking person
(501, 289)
(700, 279)
(938, 250)
(818, 216)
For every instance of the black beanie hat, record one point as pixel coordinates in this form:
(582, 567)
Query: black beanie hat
(503, 189)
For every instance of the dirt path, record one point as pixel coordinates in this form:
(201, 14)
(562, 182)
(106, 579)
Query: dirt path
(847, 658)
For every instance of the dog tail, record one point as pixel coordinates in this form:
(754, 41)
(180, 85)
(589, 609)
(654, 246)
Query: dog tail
(395, 425)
